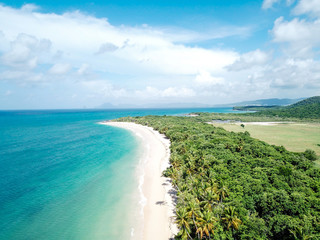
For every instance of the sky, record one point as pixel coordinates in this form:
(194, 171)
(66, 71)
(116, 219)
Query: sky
(80, 54)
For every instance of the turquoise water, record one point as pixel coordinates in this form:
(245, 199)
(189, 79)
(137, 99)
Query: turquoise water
(63, 176)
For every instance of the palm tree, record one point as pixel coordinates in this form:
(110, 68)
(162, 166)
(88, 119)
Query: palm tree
(231, 219)
(175, 161)
(182, 221)
(206, 224)
(222, 192)
(210, 198)
(193, 210)
(190, 166)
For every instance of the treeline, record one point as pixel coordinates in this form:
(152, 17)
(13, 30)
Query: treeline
(231, 186)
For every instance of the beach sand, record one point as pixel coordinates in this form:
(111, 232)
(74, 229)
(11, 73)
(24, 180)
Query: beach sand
(159, 207)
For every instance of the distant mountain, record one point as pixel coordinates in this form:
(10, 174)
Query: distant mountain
(307, 108)
(254, 108)
(260, 102)
(265, 102)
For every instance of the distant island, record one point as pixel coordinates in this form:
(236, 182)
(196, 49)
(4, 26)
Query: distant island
(232, 186)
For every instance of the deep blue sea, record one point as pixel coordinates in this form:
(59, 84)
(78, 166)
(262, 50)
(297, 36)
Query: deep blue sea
(64, 176)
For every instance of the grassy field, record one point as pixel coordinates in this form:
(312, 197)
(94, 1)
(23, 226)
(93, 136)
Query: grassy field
(296, 137)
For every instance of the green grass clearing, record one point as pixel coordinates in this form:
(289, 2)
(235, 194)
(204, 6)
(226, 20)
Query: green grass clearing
(296, 137)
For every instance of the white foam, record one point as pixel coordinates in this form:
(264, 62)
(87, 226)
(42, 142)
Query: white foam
(143, 199)
(141, 175)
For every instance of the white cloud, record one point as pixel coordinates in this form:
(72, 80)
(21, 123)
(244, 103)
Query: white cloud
(301, 35)
(130, 50)
(184, 60)
(249, 60)
(295, 74)
(29, 7)
(4, 44)
(107, 47)
(21, 76)
(103, 89)
(188, 36)
(167, 93)
(25, 51)
(296, 31)
(308, 7)
(205, 79)
(269, 3)
(178, 92)
(150, 91)
(83, 69)
(284, 74)
(60, 68)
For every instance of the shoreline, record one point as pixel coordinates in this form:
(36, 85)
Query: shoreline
(157, 191)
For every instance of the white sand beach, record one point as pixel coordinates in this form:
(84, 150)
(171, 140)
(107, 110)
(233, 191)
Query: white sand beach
(159, 207)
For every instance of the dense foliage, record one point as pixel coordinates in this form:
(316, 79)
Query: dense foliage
(231, 186)
(308, 108)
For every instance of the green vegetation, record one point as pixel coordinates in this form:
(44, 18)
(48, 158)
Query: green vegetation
(308, 108)
(232, 186)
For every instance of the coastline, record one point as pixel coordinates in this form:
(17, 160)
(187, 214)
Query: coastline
(157, 199)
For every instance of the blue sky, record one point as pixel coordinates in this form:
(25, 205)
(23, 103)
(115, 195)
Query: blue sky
(74, 54)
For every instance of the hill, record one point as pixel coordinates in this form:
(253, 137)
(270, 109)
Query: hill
(308, 108)
(254, 108)
(263, 102)
(270, 102)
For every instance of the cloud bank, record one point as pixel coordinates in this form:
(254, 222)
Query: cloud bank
(82, 60)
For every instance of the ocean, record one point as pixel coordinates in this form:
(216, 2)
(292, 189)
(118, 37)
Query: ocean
(64, 176)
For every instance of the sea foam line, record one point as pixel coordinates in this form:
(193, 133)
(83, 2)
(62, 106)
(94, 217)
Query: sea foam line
(141, 173)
